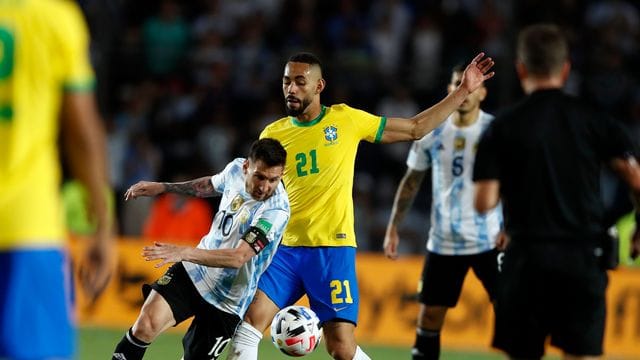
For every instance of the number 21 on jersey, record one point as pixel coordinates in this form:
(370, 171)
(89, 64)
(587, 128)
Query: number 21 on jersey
(307, 163)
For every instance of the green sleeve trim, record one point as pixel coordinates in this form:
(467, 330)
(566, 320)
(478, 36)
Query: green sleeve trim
(383, 124)
(85, 86)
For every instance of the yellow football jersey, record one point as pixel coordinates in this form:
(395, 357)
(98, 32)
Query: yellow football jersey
(43, 52)
(318, 175)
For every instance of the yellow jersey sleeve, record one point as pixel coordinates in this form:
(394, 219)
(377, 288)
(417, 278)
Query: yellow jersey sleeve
(319, 172)
(73, 38)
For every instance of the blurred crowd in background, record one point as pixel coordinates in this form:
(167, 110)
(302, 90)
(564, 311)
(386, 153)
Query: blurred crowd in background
(185, 86)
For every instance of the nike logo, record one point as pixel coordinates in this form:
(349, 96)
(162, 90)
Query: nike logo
(336, 309)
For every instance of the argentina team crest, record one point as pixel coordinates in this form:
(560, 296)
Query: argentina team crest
(236, 203)
(331, 134)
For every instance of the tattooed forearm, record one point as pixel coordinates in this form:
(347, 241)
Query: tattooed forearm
(201, 187)
(409, 186)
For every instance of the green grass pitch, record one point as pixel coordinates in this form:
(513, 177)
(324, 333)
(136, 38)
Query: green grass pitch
(98, 343)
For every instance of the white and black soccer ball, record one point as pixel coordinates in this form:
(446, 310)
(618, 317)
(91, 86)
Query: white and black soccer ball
(296, 330)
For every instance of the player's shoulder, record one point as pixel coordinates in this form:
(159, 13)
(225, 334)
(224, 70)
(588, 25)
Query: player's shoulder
(57, 10)
(278, 124)
(234, 167)
(342, 109)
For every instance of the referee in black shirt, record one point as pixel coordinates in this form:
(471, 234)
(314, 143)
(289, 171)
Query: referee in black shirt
(543, 157)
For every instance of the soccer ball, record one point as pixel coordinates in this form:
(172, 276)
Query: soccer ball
(296, 330)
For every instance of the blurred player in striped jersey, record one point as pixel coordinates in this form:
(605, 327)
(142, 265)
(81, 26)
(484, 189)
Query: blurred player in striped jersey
(46, 90)
(460, 238)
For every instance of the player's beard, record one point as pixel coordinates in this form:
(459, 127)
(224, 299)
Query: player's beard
(299, 111)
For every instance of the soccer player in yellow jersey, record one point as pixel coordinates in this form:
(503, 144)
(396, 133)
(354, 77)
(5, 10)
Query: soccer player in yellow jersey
(45, 73)
(317, 255)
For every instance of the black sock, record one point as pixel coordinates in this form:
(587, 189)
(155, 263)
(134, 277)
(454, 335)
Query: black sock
(427, 346)
(129, 348)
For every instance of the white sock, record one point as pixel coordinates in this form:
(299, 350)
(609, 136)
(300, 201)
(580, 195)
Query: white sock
(244, 345)
(360, 355)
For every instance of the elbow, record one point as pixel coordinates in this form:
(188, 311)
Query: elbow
(482, 205)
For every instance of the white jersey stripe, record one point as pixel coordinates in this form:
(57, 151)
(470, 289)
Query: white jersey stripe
(456, 228)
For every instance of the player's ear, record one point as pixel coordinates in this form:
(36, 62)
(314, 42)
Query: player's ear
(521, 70)
(482, 92)
(245, 166)
(320, 85)
(564, 72)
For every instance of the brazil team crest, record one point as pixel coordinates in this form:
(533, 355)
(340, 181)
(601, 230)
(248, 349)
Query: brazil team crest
(331, 133)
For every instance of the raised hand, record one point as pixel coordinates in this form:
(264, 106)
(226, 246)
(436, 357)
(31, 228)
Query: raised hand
(477, 72)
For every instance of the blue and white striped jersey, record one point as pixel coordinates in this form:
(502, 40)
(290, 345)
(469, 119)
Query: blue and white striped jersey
(456, 228)
(232, 290)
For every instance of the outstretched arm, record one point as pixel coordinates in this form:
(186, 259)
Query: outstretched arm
(406, 193)
(201, 187)
(224, 258)
(401, 129)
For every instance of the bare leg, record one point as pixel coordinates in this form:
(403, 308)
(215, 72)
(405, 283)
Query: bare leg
(340, 341)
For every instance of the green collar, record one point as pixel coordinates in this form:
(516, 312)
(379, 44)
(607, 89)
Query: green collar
(295, 121)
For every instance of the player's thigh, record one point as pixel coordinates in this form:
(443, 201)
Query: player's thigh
(442, 278)
(209, 333)
(282, 282)
(154, 318)
(330, 282)
(35, 300)
(485, 266)
(174, 289)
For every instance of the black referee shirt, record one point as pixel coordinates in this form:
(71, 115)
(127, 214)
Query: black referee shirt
(547, 151)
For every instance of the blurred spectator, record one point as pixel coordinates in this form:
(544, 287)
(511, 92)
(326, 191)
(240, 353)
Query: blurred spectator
(165, 37)
(178, 219)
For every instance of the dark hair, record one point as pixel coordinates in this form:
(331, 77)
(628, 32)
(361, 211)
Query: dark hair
(543, 49)
(306, 58)
(270, 151)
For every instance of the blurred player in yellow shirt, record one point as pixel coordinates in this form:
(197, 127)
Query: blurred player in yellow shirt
(46, 89)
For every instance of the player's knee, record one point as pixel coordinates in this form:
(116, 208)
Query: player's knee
(431, 317)
(146, 328)
(340, 347)
(341, 350)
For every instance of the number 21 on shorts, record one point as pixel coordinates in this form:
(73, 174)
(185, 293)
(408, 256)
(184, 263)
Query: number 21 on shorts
(340, 292)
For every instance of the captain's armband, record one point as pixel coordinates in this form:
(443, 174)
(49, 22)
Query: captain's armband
(256, 238)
